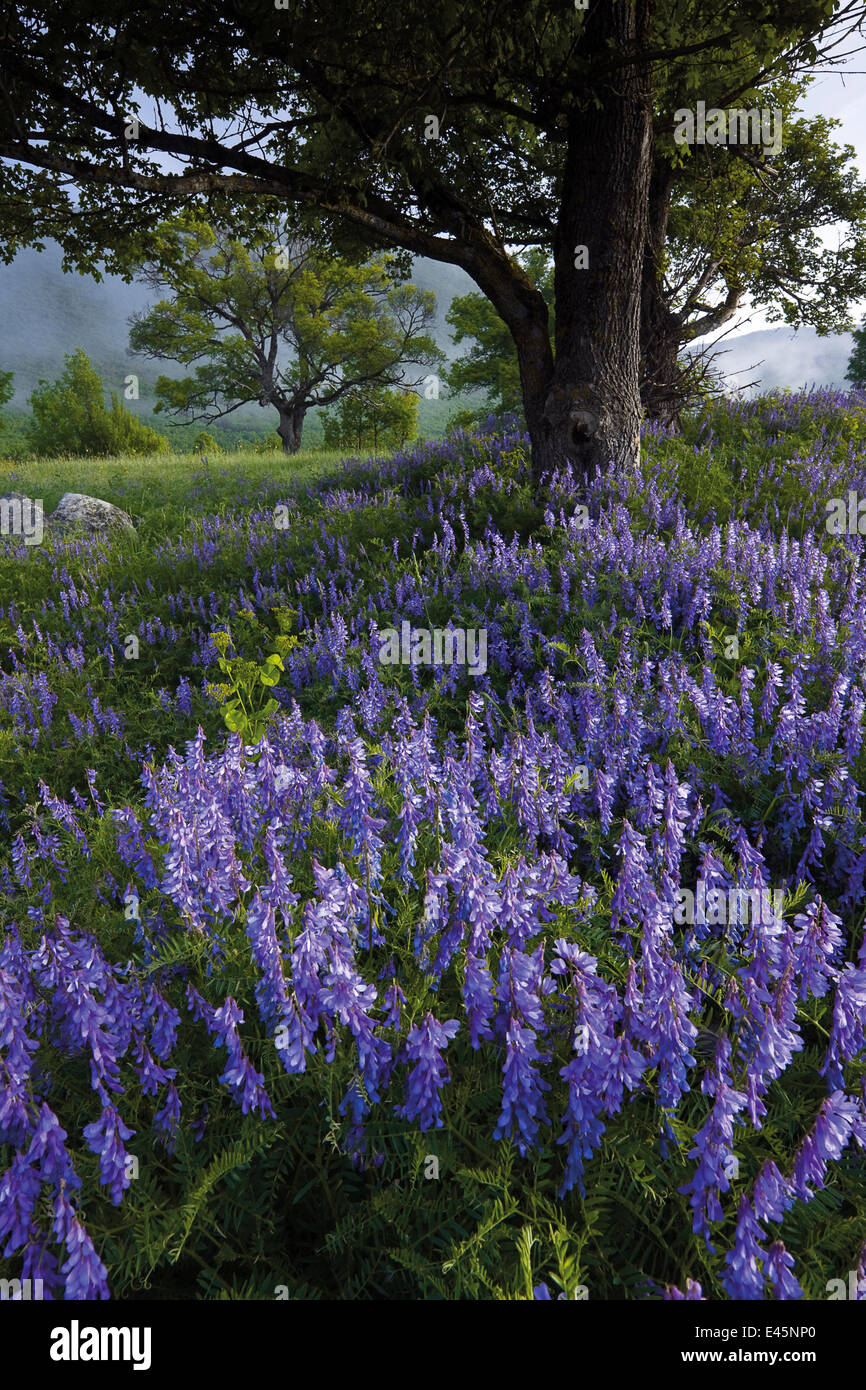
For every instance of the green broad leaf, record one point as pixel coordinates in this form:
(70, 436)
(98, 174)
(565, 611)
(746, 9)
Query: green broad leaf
(569, 654)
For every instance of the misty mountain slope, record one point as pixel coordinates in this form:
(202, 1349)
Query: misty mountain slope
(45, 313)
(784, 357)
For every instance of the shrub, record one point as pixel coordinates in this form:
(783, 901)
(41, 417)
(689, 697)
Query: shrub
(6, 389)
(204, 443)
(70, 417)
(371, 419)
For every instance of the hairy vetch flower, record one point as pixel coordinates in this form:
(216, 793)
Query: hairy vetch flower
(779, 1267)
(744, 1277)
(522, 1100)
(424, 1046)
(106, 1137)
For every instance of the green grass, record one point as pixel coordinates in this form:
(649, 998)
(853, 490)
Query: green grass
(152, 484)
(167, 496)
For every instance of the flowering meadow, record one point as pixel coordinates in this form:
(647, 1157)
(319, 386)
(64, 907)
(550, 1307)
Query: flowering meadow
(395, 1000)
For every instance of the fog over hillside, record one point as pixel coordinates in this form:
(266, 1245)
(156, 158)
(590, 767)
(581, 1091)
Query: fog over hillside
(784, 357)
(45, 313)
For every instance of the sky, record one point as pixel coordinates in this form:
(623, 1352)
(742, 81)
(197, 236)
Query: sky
(841, 93)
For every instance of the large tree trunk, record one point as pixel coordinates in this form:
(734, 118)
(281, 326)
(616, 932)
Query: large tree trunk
(291, 427)
(660, 329)
(590, 412)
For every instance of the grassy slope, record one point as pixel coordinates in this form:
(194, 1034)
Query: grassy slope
(169, 495)
(156, 487)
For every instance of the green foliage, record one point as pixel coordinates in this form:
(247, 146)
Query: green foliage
(70, 417)
(277, 318)
(491, 363)
(754, 225)
(371, 419)
(204, 443)
(856, 372)
(6, 388)
(461, 420)
(242, 698)
(269, 445)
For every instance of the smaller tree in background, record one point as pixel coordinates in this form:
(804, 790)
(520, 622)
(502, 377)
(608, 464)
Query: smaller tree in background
(856, 372)
(278, 317)
(70, 417)
(6, 389)
(204, 443)
(371, 418)
(491, 363)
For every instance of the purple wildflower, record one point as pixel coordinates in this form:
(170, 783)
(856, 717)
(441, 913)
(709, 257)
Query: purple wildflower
(522, 1101)
(779, 1267)
(106, 1137)
(744, 1278)
(424, 1047)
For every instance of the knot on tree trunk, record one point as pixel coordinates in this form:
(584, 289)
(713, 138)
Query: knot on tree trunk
(568, 411)
(580, 426)
(570, 419)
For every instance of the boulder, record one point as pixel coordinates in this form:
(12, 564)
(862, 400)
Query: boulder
(76, 510)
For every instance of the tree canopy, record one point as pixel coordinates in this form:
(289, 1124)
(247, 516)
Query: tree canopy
(70, 417)
(729, 230)
(739, 232)
(371, 417)
(7, 390)
(856, 372)
(456, 132)
(276, 317)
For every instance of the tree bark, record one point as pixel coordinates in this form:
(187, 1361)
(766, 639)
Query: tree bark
(660, 329)
(291, 427)
(590, 412)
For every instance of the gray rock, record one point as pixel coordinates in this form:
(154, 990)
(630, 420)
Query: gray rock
(75, 509)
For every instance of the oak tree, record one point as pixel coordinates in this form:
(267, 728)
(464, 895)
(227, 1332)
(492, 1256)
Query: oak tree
(276, 317)
(454, 131)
